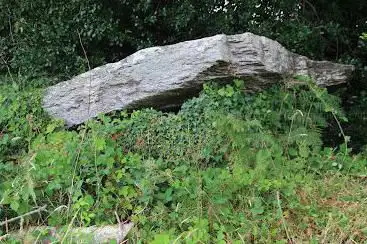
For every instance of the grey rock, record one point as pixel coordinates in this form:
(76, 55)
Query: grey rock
(95, 234)
(162, 77)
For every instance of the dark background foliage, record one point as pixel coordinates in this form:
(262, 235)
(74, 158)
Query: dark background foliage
(41, 37)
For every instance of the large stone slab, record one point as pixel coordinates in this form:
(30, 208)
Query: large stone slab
(165, 76)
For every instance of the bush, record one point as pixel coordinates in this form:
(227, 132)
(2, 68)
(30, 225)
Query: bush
(223, 168)
(41, 38)
(21, 119)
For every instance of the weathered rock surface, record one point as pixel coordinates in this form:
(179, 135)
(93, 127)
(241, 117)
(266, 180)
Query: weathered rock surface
(92, 234)
(165, 76)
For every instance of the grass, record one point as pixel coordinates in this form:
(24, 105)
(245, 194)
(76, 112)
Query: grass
(338, 203)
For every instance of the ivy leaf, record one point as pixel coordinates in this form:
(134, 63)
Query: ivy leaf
(258, 207)
(50, 128)
(304, 150)
(14, 205)
(168, 195)
(239, 83)
(229, 91)
(161, 239)
(100, 144)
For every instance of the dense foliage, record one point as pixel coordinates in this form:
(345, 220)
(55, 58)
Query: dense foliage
(43, 38)
(228, 166)
(286, 165)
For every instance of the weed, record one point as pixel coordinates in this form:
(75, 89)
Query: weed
(228, 167)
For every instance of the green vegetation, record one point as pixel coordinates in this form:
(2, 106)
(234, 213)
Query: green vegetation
(40, 37)
(286, 165)
(228, 167)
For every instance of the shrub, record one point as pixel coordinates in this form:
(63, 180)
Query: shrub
(41, 38)
(225, 167)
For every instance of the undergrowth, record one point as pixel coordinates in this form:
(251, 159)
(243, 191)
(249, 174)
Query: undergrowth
(229, 167)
